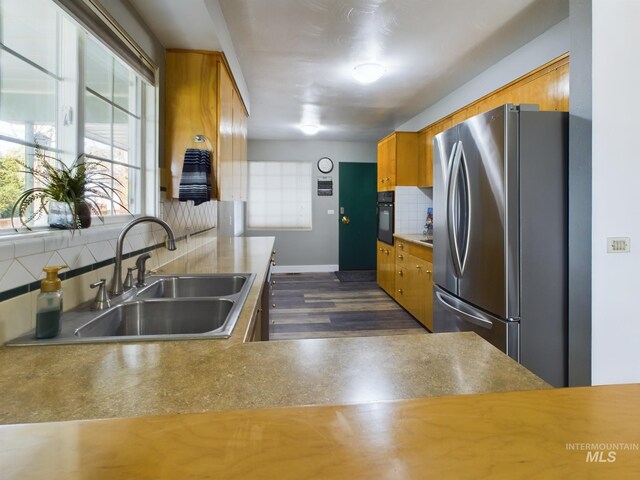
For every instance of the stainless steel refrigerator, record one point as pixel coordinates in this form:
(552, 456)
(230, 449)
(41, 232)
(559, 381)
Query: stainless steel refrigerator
(500, 234)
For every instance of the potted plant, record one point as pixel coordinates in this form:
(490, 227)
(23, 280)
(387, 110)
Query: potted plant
(77, 188)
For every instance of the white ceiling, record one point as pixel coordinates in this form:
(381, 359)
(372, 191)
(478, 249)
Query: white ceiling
(296, 56)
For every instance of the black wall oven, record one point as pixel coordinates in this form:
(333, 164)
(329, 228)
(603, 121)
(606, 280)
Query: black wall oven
(385, 217)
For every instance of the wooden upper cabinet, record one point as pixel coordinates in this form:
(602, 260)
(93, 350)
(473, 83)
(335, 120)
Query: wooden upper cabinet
(191, 109)
(562, 88)
(386, 163)
(547, 86)
(225, 134)
(202, 99)
(425, 168)
(398, 160)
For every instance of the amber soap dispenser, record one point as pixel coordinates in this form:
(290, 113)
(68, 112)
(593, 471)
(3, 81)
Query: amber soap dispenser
(49, 305)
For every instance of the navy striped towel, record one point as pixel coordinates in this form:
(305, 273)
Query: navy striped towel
(195, 183)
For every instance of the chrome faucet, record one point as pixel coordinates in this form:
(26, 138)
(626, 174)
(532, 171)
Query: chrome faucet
(116, 281)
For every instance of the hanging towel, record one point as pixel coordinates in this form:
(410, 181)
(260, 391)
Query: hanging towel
(195, 183)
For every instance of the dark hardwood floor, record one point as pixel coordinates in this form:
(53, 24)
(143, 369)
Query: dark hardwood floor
(318, 305)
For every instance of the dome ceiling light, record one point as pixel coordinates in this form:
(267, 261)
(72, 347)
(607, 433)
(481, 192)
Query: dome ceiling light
(309, 129)
(368, 72)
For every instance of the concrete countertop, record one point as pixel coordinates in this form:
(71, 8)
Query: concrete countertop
(91, 381)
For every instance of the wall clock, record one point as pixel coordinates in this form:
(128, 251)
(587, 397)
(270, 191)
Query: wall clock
(325, 164)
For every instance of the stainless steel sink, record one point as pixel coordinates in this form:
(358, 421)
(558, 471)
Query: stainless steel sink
(170, 307)
(194, 286)
(160, 317)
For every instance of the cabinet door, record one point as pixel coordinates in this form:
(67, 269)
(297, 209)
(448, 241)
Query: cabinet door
(427, 300)
(425, 171)
(386, 267)
(406, 159)
(191, 109)
(387, 163)
(239, 154)
(225, 138)
(402, 284)
(562, 88)
(382, 152)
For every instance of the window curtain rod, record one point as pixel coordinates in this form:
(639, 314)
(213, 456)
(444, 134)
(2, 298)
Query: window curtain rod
(95, 18)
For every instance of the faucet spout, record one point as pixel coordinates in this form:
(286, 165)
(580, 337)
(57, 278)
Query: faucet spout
(116, 286)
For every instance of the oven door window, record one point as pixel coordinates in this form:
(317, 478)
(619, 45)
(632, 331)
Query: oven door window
(385, 223)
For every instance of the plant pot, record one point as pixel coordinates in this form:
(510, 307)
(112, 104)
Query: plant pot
(60, 216)
(84, 214)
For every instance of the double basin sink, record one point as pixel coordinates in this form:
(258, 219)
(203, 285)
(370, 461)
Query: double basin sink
(169, 307)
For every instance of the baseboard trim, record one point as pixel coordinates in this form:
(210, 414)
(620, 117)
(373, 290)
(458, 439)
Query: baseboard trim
(304, 268)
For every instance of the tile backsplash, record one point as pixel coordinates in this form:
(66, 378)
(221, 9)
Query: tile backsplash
(87, 252)
(411, 205)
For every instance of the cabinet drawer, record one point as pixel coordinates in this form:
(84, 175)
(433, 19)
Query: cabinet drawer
(403, 248)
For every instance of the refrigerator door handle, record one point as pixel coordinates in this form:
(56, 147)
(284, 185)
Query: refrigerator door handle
(467, 212)
(475, 319)
(454, 166)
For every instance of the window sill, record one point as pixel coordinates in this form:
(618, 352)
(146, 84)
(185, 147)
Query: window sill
(110, 223)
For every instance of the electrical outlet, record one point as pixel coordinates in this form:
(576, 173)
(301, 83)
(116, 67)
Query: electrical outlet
(618, 244)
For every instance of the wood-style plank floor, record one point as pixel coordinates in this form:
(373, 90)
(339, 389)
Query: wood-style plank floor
(318, 305)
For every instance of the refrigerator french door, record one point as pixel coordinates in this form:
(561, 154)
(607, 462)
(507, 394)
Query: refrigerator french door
(500, 234)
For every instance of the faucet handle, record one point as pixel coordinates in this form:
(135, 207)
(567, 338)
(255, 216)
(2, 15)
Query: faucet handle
(128, 281)
(102, 299)
(141, 266)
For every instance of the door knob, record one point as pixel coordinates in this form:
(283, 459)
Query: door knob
(345, 220)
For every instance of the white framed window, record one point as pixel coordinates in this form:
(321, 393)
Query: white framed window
(62, 89)
(279, 196)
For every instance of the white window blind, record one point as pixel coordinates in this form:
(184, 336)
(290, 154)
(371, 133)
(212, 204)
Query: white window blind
(279, 196)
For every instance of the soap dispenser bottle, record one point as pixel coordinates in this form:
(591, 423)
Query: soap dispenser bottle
(49, 305)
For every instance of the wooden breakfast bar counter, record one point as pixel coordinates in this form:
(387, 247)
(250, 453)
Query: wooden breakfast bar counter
(591, 432)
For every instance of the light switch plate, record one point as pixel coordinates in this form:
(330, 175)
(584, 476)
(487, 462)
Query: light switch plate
(618, 244)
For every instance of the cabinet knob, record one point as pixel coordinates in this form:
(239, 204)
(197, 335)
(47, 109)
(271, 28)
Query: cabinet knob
(401, 245)
(401, 256)
(429, 272)
(418, 266)
(273, 305)
(381, 249)
(273, 282)
(386, 251)
(400, 273)
(400, 291)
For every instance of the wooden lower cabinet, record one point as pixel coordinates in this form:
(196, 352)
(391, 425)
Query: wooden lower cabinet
(414, 281)
(386, 264)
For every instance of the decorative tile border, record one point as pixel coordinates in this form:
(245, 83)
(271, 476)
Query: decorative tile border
(23, 256)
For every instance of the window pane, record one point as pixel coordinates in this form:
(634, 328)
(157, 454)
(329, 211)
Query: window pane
(97, 128)
(122, 174)
(123, 85)
(121, 129)
(98, 69)
(12, 180)
(27, 100)
(29, 27)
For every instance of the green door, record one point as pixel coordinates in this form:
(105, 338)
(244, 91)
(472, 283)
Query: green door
(358, 195)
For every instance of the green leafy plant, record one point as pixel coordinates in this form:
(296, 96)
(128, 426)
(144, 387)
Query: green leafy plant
(80, 186)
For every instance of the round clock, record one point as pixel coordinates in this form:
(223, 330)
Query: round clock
(325, 164)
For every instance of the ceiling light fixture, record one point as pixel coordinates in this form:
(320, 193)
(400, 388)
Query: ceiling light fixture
(309, 129)
(368, 72)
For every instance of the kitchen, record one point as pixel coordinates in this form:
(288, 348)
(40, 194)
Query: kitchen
(612, 351)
